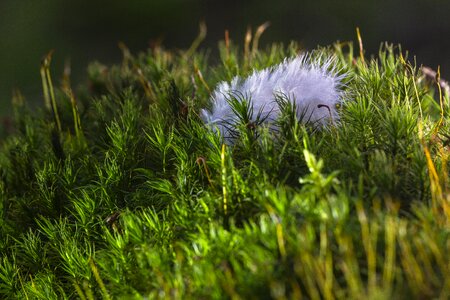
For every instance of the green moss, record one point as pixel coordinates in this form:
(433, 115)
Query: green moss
(125, 194)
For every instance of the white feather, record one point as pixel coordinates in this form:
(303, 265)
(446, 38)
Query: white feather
(312, 83)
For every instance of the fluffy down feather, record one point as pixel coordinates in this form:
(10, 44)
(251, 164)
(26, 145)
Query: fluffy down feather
(312, 83)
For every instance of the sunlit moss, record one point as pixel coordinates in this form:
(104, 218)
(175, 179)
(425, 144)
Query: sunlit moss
(132, 196)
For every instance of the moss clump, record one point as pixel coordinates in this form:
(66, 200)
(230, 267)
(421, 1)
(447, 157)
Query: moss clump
(120, 191)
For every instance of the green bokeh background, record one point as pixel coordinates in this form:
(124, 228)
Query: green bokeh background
(84, 30)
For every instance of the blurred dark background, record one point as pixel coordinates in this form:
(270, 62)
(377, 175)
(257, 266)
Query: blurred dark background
(86, 30)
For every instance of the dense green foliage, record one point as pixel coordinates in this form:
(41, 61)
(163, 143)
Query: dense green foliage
(121, 191)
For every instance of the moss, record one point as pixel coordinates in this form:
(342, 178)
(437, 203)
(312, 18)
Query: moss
(122, 192)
